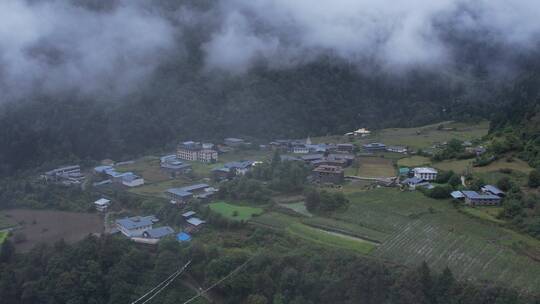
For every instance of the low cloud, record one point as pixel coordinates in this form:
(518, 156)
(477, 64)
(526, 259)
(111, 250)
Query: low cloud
(395, 34)
(56, 46)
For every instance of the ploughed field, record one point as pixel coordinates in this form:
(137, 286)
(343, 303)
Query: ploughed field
(46, 226)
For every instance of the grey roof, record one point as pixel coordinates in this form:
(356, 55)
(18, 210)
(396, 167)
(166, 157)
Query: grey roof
(346, 156)
(195, 221)
(222, 169)
(476, 195)
(186, 191)
(234, 139)
(412, 181)
(492, 189)
(374, 145)
(159, 232)
(101, 169)
(310, 157)
(457, 194)
(194, 187)
(179, 192)
(289, 158)
(129, 177)
(136, 221)
(189, 213)
(243, 164)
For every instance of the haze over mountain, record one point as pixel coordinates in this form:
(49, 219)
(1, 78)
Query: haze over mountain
(130, 75)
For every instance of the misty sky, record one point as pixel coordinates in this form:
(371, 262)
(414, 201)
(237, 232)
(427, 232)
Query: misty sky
(55, 45)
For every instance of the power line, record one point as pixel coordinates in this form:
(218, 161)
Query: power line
(165, 282)
(237, 269)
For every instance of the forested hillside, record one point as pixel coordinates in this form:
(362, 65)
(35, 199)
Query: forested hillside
(184, 97)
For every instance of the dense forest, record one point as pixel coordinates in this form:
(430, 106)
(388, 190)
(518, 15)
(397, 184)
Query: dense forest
(111, 270)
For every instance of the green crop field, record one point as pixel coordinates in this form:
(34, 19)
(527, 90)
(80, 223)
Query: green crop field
(413, 161)
(485, 213)
(423, 229)
(408, 228)
(427, 136)
(328, 238)
(235, 212)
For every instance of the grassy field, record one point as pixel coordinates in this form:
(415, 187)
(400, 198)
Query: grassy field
(375, 167)
(298, 207)
(3, 236)
(485, 213)
(235, 212)
(516, 165)
(427, 136)
(147, 167)
(413, 161)
(458, 166)
(328, 238)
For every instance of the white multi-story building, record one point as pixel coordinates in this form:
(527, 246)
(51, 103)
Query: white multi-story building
(425, 173)
(194, 151)
(135, 226)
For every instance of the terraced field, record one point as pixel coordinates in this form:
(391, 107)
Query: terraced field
(422, 229)
(408, 228)
(427, 136)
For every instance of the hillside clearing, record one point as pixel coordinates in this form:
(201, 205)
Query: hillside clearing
(235, 212)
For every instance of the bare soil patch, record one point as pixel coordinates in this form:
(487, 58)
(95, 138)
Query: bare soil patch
(49, 226)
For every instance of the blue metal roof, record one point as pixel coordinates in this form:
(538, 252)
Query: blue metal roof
(183, 237)
(476, 195)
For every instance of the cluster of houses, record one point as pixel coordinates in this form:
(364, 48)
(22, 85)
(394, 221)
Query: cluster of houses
(362, 132)
(141, 228)
(380, 147)
(68, 175)
(127, 179)
(173, 166)
(232, 169)
(488, 195)
(418, 177)
(422, 177)
(207, 152)
(183, 195)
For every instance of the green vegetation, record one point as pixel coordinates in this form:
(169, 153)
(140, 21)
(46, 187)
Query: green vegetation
(235, 212)
(332, 239)
(414, 161)
(427, 136)
(148, 168)
(485, 213)
(424, 229)
(3, 236)
(325, 201)
(375, 167)
(298, 207)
